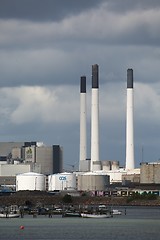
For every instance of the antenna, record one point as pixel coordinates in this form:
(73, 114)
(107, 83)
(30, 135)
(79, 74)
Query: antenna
(142, 153)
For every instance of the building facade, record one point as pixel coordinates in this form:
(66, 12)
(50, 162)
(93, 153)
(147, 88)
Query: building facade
(30, 156)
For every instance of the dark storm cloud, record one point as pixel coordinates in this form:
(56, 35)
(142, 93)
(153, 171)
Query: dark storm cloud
(128, 5)
(43, 10)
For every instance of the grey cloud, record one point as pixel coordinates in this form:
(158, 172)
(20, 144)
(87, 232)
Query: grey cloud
(55, 10)
(43, 10)
(53, 67)
(144, 132)
(53, 43)
(135, 28)
(129, 5)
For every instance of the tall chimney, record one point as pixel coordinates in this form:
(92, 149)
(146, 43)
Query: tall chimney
(129, 122)
(95, 163)
(83, 122)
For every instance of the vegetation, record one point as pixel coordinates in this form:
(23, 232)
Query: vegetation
(67, 199)
(34, 198)
(143, 196)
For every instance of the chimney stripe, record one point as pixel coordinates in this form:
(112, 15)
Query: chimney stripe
(95, 82)
(130, 78)
(83, 84)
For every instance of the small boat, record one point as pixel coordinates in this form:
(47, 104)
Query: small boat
(10, 212)
(9, 215)
(71, 214)
(116, 212)
(94, 215)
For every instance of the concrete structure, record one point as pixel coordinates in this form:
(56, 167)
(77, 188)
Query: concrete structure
(6, 150)
(14, 169)
(116, 175)
(95, 162)
(131, 177)
(57, 159)
(106, 165)
(44, 157)
(62, 181)
(29, 154)
(114, 165)
(16, 153)
(129, 122)
(8, 172)
(8, 182)
(150, 173)
(6, 147)
(38, 157)
(93, 182)
(83, 127)
(50, 158)
(30, 181)
(110, 165)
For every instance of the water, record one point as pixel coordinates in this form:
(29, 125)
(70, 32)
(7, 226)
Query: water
(138, 224)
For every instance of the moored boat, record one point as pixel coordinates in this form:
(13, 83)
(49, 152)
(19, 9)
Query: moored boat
(10, 212)
(116, 212)
(71, 214)
(9, 215)
(94, 215)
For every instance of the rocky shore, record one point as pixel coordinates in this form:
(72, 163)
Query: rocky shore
(43, 198)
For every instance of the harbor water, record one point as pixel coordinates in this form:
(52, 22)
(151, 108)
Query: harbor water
(135, 223)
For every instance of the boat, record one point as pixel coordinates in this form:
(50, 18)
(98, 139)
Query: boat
(10, 212)
(9, 215)
(116, 212)
(95, 215)
(71, 214)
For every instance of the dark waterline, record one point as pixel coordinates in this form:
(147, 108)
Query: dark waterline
(139, 223)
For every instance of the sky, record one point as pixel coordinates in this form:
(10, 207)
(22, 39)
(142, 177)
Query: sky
(47, 45)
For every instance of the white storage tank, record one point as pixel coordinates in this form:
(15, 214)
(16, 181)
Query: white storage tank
(62, 181)
(30, 181)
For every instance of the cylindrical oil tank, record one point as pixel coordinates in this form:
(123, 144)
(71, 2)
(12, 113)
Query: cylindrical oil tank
(115, 165)
(30, 181)
(62, 181)
(93, 182)
(106, 165)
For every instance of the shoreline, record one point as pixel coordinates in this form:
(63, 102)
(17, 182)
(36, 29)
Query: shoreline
(43, 198)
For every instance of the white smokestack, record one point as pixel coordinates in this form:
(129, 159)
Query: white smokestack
(83, 121)
(129, 122)
(95, 163)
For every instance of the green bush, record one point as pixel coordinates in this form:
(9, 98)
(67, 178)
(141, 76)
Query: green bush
(67, 198)
(143, 196)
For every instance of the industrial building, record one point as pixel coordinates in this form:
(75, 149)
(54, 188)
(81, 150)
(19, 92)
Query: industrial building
(95, 165)
(23, 157)
(150, 173)
(92, 171)
(41, 158)
(34, 166)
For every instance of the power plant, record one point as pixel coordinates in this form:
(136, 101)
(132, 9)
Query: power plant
(91, 169)
(33, 166)
(95, 163)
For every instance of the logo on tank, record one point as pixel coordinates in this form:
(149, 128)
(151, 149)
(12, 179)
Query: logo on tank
(62, 178)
